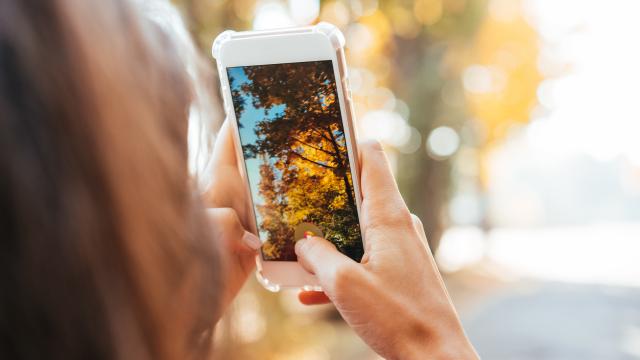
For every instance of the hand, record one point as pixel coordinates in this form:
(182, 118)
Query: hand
(229, 215)
(394, 299)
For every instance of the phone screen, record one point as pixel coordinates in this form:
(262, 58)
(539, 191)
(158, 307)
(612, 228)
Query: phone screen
(296, 156)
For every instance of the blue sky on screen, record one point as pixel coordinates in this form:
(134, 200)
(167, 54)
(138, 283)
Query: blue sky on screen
(249, 118)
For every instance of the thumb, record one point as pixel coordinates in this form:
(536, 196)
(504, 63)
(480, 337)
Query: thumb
(321, 258)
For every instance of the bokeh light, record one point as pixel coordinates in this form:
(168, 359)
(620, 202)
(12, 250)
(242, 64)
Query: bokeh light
(442, 142)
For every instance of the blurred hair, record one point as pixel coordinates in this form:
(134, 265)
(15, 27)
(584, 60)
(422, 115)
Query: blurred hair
(204, 110)
(104, 252)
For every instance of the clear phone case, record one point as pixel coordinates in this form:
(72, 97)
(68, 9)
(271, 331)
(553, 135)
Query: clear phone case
(337, 40)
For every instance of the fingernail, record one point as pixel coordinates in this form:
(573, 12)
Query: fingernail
(251, 240)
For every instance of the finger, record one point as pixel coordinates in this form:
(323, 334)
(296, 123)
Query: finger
(313, 297)
(227, 226)
(228, 188)
(382, 202)
(320, 257)
(224, 153)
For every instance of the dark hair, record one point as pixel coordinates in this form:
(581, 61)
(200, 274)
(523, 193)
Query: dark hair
(103, 242)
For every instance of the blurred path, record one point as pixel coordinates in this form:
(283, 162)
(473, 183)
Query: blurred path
(547, 320)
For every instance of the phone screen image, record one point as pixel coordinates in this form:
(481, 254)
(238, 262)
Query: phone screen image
(295, 152)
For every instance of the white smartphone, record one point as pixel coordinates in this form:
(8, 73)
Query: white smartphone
(287, 96)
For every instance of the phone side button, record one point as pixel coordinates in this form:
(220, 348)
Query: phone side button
(346, 87)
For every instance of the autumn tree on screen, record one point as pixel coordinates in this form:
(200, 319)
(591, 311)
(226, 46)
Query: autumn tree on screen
(308, 144)
(272, 213)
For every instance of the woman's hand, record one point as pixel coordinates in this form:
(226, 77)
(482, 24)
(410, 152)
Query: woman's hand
(229, 214)
(395, 298)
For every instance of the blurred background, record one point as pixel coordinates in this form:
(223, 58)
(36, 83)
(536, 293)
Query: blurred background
(513, 130)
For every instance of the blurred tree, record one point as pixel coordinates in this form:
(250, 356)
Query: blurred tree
(421, 76)
(506, 50)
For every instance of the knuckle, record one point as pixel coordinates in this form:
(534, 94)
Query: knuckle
(372, 145)
(211, 197)
(228, 216)
(416, 220)
(399, 218)
(345, 277)
(402, 217)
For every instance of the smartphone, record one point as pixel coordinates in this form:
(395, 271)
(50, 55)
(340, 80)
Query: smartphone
(287, 96)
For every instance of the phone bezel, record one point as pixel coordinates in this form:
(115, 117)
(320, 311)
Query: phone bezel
(262, 48)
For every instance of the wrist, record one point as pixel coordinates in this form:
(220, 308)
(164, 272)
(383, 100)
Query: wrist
(439, 343)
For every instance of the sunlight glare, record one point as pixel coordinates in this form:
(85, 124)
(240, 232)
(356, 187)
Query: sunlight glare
(271, 15)
(359, 37)
(385, 126)
(460, 247)
(304, 12)
(593, 102)
(599, 253)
